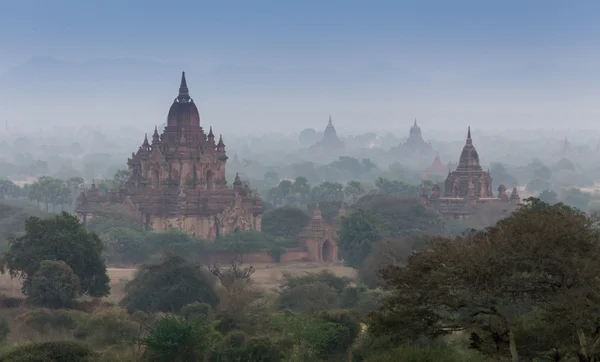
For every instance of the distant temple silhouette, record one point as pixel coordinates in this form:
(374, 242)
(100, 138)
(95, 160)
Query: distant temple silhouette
(415, 143)
(466, 187)
(330, 140)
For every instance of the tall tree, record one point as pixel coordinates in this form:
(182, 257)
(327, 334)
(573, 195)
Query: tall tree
(543, 256)
(60, 238)
(358, 232)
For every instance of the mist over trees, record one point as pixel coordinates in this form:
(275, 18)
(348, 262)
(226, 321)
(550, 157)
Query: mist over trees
(422, 287)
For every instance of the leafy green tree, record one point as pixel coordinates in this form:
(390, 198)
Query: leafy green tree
(401, 217)
(385, 252)
(311, 292)
(169, 284)
(353, 166)
(353, 191)
(312, 336)
(284, 222)
(395, 188)
(262, 349)
(60, 238)
(54, 285)
(282, 194)
(542, 256)
(301, 190)
(500, 173)
(120, 178)
(538, 185)
(327, 191)
(173, 338)
(358, 232)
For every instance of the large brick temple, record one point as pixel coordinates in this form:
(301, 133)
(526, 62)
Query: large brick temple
(177, 181)
(466, 188)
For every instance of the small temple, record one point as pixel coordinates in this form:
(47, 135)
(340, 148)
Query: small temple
(319, 239)
(466, 187)
(177, 181)
(436, 171)
(330, 140)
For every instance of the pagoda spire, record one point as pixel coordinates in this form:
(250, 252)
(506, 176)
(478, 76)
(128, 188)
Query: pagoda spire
(415, 124)
(330, 122)
(145, 145)
(469, 140)
(184, 92)
(317, 212)
(155, 136)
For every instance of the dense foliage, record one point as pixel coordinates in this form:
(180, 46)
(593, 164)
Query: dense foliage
(54, 285)
(60, 238)
(169, 284)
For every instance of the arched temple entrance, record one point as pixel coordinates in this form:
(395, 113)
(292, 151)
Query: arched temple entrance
(327, 251)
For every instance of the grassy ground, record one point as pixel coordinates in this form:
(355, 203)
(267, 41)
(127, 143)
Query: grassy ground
(267, 276)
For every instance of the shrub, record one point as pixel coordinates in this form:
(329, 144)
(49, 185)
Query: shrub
(262, 349)
(232, 348)
(173, 338)
(58, 351)
(168, 285)
(4, 329)
(54, 285)
(348, 329)
(45, 320)
(196, 310)
(108, 326)
(427, 354)
(276, 252)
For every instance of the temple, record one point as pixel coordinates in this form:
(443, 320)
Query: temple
(437, 170)
(330, 139)
(177, 181)
(415, 143)
(319, 239)
(466, 188)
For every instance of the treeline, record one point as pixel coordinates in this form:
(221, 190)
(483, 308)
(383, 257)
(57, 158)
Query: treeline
(300, 193)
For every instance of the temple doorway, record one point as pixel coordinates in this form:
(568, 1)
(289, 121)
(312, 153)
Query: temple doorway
(327, 251)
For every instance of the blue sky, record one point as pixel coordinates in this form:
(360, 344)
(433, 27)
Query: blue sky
(283, 65)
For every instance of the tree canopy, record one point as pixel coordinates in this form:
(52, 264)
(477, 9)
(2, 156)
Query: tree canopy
(543, 258)
(61, 238)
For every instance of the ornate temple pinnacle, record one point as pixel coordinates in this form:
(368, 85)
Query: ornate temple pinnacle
(183, 88)
(469, 140)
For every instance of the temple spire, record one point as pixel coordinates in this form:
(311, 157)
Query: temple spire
(183, 88)
(155, 136)
(469, 140)
(415, 122)
(330, 119)
(317, 212)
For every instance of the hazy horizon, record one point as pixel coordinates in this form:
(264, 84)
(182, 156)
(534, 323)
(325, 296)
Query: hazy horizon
(281, 67)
